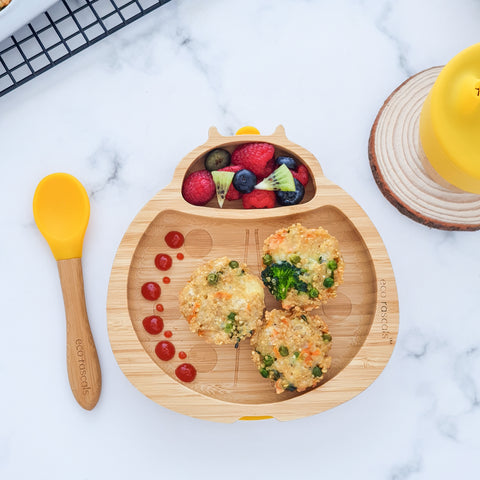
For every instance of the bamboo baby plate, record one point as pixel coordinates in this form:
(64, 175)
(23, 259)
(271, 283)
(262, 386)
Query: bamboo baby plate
(363, 318)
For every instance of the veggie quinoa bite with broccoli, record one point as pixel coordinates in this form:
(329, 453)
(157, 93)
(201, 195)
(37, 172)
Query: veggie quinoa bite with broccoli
(302, 267)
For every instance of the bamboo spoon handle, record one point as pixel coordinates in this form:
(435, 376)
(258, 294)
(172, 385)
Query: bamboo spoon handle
(82, 359)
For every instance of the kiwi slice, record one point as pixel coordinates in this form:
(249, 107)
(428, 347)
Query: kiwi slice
(281, 179)
(217, 159)
(222, 180)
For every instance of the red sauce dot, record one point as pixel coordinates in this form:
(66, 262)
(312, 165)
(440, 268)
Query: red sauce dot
(168, 333)
(186, 372)
(174, 239)
(182, 355)
(165, 350)
(159, 307)
(166, 280)
(180, 256)
(153, 324)
(163, 261)
(151, 290)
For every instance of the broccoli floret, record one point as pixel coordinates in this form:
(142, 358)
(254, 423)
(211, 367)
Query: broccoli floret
(280, 277)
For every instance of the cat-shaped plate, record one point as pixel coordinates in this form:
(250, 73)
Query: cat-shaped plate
(363, 318)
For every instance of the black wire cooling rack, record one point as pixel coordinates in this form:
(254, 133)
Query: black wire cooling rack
(67, 28)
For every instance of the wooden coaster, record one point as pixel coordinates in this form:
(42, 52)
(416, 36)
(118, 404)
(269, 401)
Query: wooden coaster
(400, 166)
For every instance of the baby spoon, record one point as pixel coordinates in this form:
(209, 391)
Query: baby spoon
(61, 210)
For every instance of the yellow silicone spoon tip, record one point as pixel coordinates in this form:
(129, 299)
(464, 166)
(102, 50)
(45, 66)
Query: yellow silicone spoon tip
(61, 210)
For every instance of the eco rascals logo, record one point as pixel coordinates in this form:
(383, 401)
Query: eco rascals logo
(81, 366)
(384, 311)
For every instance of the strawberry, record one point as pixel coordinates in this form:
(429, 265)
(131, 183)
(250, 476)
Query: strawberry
(256, 157)
(233, 193)
(198, 188)
(301, 174)
(259, 199)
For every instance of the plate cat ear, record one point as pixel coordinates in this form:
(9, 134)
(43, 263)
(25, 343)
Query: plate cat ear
(280, 132)
(213, 133)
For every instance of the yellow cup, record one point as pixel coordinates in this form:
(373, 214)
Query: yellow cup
(450, 122)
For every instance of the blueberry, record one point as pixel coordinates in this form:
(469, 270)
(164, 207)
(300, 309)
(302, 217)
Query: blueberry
(217, 159)
(244, 181)
(288, 161)
(291, 198)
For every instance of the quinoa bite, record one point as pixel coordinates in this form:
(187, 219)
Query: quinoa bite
(222, 302)
(291, 349)
(302, 267)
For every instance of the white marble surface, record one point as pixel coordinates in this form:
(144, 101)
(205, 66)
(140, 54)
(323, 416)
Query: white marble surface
(120, 116)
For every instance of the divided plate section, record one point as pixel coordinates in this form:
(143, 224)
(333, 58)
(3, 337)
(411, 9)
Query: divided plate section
(199, 164)
(223, 372)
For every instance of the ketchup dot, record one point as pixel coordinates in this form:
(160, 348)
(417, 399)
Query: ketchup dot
(168, 333)
(151, 290)
(186, 372)
(182, 355)
(180, 256)
(153, 324)
(166, 280)
(163, 261)
(174, 239)
(165, 350)
(159, 307)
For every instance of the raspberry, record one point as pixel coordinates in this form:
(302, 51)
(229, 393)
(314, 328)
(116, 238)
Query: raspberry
(233, 193)
(259, 199)
(301, 174)
(255, 157)
(268, 170)
(198, 188)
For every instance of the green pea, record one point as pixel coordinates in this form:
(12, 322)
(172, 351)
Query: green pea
(267, 259)
(283, 351)
(212, 278)
(264, 372)
(233, 264)
(268, 360)
(332, 265)
(328, 282)
(231, 316)
(295, 259)
(317, 371)
(313, 293)
(327, 337)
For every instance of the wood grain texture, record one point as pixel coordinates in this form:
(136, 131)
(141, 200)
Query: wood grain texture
(82, 359)
(363, 318)
(401, 169)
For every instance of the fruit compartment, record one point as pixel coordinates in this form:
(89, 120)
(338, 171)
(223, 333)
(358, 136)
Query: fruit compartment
(199, 164)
